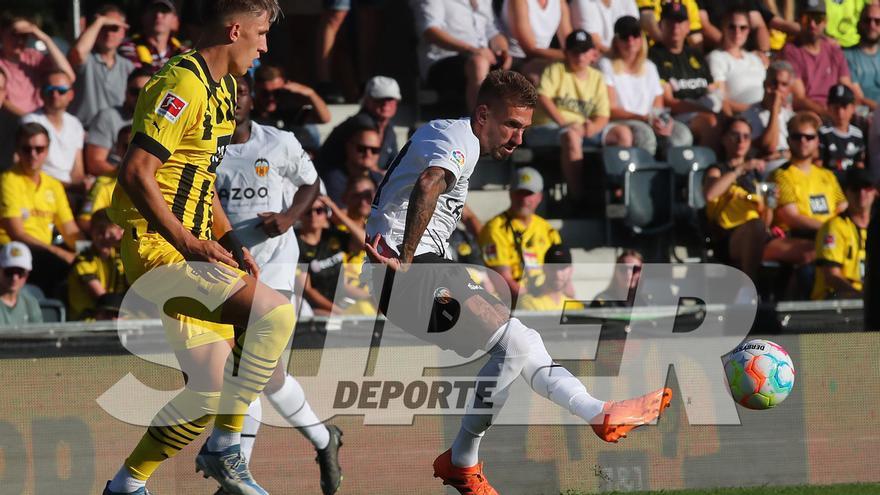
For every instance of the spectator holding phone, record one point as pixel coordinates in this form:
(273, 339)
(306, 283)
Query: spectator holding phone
(635, 93)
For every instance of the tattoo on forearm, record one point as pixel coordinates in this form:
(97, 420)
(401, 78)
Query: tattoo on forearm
(422, 203)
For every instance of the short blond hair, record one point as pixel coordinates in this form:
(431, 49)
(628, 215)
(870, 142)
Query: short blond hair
(222, 9)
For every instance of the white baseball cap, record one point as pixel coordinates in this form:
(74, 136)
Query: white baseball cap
(381, 87)
(527, 179)
(16, 255)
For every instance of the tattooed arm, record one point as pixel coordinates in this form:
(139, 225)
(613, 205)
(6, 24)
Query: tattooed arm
(422, 202)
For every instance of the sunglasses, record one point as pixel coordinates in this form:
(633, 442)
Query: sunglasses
(628, 36)
(61, 90)
(738, 27)
(27, 149)
(318, 211)
(364, 149)
(798, 136)
(816, 17)
(873, 20)
(15, 271)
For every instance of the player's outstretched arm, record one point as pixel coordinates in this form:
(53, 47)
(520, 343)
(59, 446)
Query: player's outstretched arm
(137, 177)
(422, 203)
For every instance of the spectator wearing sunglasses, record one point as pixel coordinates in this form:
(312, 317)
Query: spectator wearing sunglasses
(361, 160)
(864, 59)
(26, 67)
(738, 72)
(101, 72)
(31, 203)
(818, 62)
(105, 127)
(66, 134)
(809, 194)
(17, 307)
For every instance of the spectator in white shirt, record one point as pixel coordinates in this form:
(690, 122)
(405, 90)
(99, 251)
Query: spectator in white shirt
(597, 17)
(66, 135)
(530, 26)
(769, 117)
(459, 44)
(635, 93)
(739, 73)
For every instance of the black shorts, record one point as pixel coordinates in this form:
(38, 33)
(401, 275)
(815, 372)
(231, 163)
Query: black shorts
(427, 301)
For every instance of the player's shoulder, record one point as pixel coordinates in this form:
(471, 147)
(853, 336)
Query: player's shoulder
(185, 73)
(269, 134)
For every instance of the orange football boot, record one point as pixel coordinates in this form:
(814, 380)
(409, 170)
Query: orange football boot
(468, 481)
(618, 418)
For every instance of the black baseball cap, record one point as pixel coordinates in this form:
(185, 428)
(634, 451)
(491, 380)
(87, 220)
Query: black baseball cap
(674, 11)
(858, 178)
(627, 27)
(166, 5)
(841, 94)
(579, 41)
(557, 254)
(813, 7)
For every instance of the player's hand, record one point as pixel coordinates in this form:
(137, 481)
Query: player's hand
(210, 260)
(250, 264)
(377, 254)
(274, 224)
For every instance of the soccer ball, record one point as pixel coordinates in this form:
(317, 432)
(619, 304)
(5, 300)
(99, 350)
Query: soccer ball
(760, 374)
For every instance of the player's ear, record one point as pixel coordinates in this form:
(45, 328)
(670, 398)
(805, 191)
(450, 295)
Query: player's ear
(234, 31)
(482, 114)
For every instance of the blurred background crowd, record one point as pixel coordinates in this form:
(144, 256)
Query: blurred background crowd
(734, 131)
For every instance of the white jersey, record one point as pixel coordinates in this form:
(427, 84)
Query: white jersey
(262, 175)
(448, 144)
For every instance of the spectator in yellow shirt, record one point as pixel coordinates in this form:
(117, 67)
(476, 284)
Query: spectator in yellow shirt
(840, 243)
(552, 295)
(32, 203)
(97, 270)
(809, 194)
(574, 110)
(649, 13)
(101, 193)
(515, 241)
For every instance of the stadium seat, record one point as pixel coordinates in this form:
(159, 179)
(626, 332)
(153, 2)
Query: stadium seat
(638, 191)
(690, 164)
(53, 311)
(35, 291)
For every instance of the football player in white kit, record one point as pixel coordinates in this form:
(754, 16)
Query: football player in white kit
(265, 182)
(415, 210)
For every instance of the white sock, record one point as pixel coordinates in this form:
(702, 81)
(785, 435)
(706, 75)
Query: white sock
(250, 428)
(221, 439)
(290, 402)
(466, 447)
(124, 482)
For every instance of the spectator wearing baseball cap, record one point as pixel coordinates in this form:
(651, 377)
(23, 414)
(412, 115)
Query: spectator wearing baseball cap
(652, 13)
(378, 108)
(810, 50)
(555, 293)
(686, 77)
(17, 307)
(599, 18)
(635, 93)
(515, 241)
(530, 32)
(840, 242)
(155, 44)
(841, 144)
(573, 110)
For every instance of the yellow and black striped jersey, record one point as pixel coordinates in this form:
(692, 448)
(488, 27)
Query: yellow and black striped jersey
(186, 119)
(841, 243)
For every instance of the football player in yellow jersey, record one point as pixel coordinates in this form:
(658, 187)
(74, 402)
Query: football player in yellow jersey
(165, 203)
(514, 242)
(551, 296)
(840, 243)
(809, 194)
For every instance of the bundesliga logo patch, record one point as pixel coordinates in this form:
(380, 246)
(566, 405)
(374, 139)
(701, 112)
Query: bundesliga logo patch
(171, 107)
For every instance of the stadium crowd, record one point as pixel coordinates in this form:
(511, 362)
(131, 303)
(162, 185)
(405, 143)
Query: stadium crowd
(783, 91)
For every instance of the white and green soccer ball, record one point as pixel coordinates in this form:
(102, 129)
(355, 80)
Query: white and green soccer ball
(760, 374)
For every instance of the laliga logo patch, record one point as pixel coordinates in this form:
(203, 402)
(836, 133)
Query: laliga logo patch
(458, 158)
(171, 107)
(261, 167)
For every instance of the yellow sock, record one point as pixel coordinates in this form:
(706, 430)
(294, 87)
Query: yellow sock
(173, 428)
(253, 359)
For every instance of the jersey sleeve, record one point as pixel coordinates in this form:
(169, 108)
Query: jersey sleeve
(785, 187)
(63, 213)
(166, 110)
(85, 269)
(550, 80)
(11, 196)
(428, 14)
(836, 192)
(831, 244)
(445, 152)
(299, 168)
